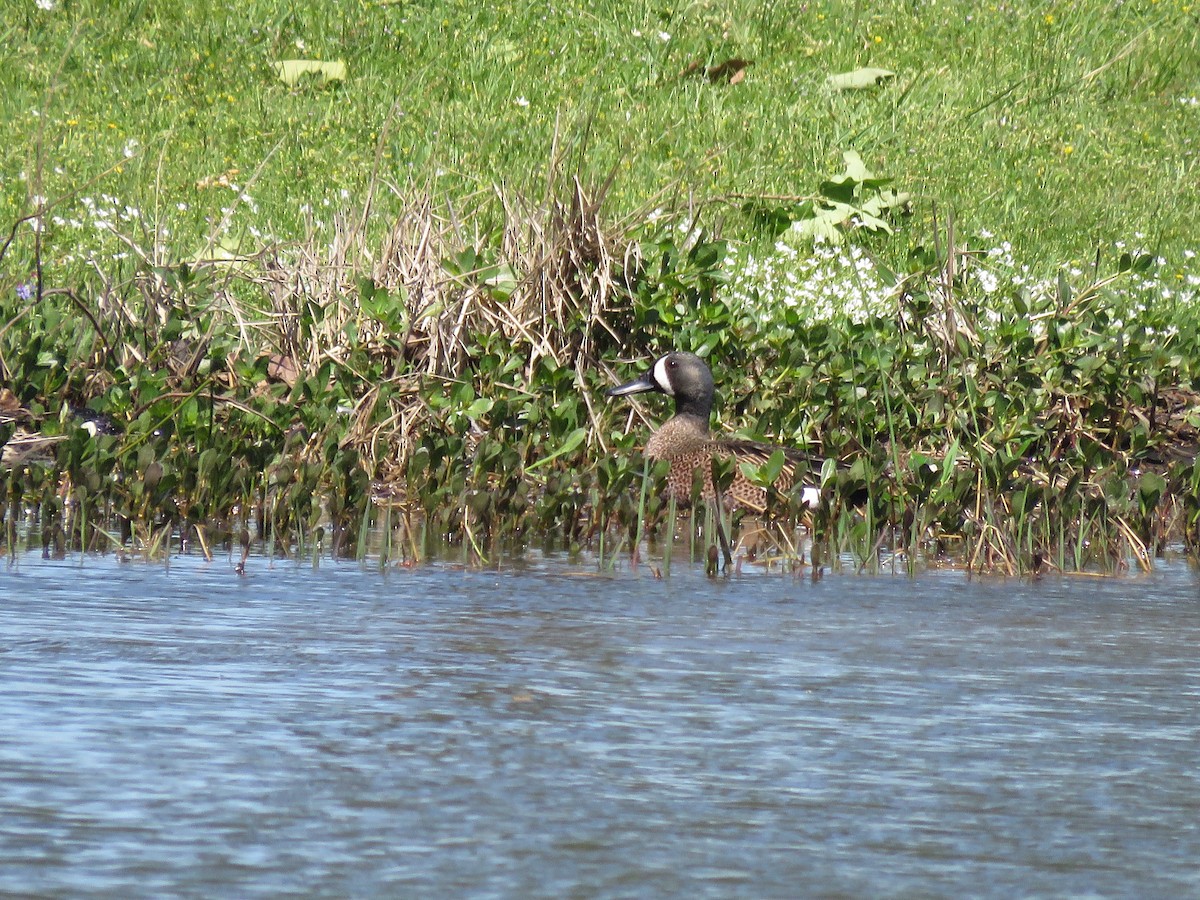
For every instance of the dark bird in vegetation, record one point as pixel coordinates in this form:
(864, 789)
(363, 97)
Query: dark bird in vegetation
(25, 446)
(685, 441)
(11, 409)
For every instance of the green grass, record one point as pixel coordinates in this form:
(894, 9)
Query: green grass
(1056, 126)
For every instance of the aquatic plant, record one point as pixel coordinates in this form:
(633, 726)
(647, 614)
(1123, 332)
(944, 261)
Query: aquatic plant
(445, 390)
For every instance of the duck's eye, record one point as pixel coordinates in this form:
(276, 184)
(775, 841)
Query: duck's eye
(672, 363)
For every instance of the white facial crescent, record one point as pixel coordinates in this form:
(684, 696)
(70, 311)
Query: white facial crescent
(661, 378)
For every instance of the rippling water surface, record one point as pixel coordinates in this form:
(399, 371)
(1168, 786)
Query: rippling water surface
(545, 732)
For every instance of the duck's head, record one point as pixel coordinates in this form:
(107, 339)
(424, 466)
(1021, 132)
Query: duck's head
(683, 376)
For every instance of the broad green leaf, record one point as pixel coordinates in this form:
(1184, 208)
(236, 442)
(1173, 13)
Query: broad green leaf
(1064, 290)
(868, 218)
(829, 471)
(482, 406)
(856, 169)
(852, 183)
(884, 201)
(501, 279)
(432, 310)
(574, 439)
(291, 71)
(774, 466)
(1152, 486)
(859, 79)
(766, 474)
(807, 230)
(229, 251)
(812, 229)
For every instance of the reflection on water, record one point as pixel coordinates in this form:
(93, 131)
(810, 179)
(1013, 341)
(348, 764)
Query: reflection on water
(546, 732)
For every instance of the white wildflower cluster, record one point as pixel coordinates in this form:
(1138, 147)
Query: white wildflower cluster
(831, 281)
(996, 270)
(103, 215)
(840, 282)
(103, 228)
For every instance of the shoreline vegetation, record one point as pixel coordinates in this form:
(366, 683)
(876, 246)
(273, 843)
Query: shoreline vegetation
(423, 366)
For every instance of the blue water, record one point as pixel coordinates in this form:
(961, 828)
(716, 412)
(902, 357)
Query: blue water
(546, 732)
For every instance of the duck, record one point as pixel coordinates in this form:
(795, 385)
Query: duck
(686, 442)
(26, 445)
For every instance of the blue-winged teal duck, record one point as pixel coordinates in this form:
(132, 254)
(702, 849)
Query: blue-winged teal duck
(685, 439)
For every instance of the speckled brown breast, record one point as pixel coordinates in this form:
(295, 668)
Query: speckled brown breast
(687, 445)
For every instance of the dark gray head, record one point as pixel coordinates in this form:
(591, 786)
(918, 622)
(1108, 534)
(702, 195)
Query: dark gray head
(683, 376)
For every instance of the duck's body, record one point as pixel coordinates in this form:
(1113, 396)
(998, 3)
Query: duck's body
(26, 446)
(687, 443)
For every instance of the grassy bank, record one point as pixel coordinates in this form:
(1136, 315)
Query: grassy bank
(395, 299)
(1057, 126)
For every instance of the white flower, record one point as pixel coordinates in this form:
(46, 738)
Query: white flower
(47, 5)
(521, 101)
(987, 280)
(664, 36)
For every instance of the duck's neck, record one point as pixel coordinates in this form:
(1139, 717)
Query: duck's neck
(694, 407)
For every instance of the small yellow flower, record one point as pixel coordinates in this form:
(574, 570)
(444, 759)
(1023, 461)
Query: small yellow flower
(1067, 149)
(878, 39)
(1049, 18)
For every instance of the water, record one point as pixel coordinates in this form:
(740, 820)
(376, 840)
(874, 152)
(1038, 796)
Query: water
(544, 732)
